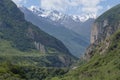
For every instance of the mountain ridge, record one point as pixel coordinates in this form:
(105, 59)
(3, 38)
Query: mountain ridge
(80, 24)
(56, 15)
(74, 42)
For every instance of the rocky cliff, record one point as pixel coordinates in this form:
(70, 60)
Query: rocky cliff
(106, 25)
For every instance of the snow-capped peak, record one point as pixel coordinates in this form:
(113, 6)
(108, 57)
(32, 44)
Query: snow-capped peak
(51, 14)
(34, 8)
(83, 18)
(56, 16)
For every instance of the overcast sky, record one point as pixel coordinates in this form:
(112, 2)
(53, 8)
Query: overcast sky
(74, 7)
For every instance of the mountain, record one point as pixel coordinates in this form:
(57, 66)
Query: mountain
(55, 15)
(79, 27)
(103, 55)
(80, 24)
(104, 27)
(27, 52)
(22, 59)
(73, 41)
(23, 43)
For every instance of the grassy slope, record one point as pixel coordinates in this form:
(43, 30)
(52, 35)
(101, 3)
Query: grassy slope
(18, 65)
(112, 15)
(18, 57)
(30, 58)
(101, 67)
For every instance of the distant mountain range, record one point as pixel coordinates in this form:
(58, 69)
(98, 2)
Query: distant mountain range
(73, 32)
(80, 24)
(57, 16)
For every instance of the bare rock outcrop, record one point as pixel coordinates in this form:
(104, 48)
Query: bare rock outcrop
(101, 31)
(40, 47)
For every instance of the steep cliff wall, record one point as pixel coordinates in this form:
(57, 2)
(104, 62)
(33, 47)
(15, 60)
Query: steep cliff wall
(106, 25)
(102, 30)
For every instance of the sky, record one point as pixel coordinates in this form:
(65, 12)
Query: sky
(72, 7)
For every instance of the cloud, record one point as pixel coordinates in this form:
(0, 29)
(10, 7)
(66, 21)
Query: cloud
(66, 6)
(59, 5)
(85, 6)
(91, 6)
(18, 2)
(108, 7)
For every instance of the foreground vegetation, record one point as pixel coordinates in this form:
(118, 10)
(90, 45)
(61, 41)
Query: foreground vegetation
(104, 66)
(9, 71)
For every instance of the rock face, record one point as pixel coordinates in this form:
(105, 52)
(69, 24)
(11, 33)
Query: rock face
(106, 25)
(94, 33)
(40, 47)
(102, 30)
